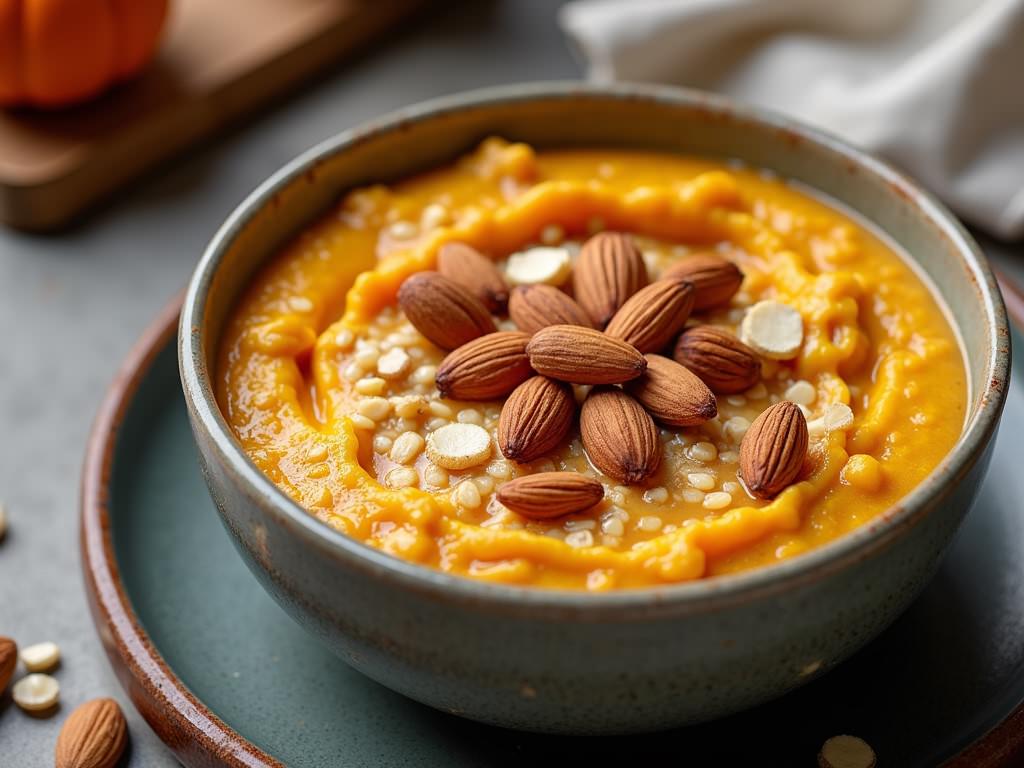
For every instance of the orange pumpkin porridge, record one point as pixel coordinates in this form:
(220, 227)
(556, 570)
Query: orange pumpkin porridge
(591, 369)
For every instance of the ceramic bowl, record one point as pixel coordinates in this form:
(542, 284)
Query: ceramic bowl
(572, 662)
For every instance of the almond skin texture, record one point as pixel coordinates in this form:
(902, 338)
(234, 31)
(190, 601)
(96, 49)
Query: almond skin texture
(713, 278)
(619, 436)
(722, 361)
(8, 661)
(583, 356)
(608, 271)
(535, 418)
(533, 307)
(653, 316)
(550, 494)
(773, 450)
(472, 270)
(673, 395)
(443, 311)
(93, 736)
(485, 368)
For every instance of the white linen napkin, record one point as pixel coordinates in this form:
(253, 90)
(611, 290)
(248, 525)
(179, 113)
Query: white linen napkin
(935, 86)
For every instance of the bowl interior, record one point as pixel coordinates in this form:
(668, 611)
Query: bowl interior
(571, 114)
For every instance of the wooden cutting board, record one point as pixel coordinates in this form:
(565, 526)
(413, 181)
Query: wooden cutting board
(219, 59)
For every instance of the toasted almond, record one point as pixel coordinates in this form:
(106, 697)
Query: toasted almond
(583, 356)
(773, 450)
(485, 368)
(550, 494)
(550, 266)
(459, 446)
(8, 661)
(442, 310)
(619, 436)
(653, 316)
(608, 271)
(533, 307)
(673, 395)
(40, 657)
(773, 329)
(36, 692)
(475, 272)
(713, 278)
(722, 361)
(93, 736)
(535, 418)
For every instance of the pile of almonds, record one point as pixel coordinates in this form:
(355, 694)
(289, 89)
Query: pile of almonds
(624, 341)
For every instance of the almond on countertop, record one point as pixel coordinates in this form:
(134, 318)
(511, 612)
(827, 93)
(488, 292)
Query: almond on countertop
(93, 736)
(722, 361)
(713, 278)
(619, 436)
(773, 450)
(583, 356)
(773, 330)
(472, 270)
(533, 307)
(673, 395)
(653, 316)
(442, 310)
(535, 418)
(485, 368)
(550, 494)
(8, 661)
(608, 271)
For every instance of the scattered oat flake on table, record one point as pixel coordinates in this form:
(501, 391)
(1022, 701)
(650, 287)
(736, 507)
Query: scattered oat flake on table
(36, 692)
(846, 752)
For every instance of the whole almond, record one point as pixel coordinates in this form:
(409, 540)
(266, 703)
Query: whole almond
(485, 368)
(619, 436)
(93, 736)
(773, 450)
(583, 356)
(608, 271)
(443, 311)
(537, 306)
(713, 278)
(653, 316)
(673, 395)
(535, 418)
(8, 661)
(722, 361)
(550, 494)
(472, 270)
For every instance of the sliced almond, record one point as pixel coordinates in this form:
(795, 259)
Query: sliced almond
(40, 657)
(672, 394)
(609, 270)
(550, 266)
(485, 368)
(773, 450)
(36, 692)
(653, 316)
(459, 446)
(773, 329)
(8, 661)
(93, 736)
(535, 418)
(394, 364)
(443, 311)
(619, 436)
(533, 307)
(583, 356)
(713, 278)
(545, 495)
(472, 270)
(719, 359)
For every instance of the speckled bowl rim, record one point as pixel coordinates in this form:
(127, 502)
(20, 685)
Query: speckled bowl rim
(694, 596)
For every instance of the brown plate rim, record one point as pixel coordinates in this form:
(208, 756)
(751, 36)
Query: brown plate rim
(196, 736)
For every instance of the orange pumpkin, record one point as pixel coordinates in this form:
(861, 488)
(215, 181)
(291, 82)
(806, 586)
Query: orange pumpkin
(56, 52)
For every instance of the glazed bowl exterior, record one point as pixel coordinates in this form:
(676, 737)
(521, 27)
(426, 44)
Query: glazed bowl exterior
(572, 662)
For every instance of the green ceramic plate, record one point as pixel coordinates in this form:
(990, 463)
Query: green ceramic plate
(224, 676)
